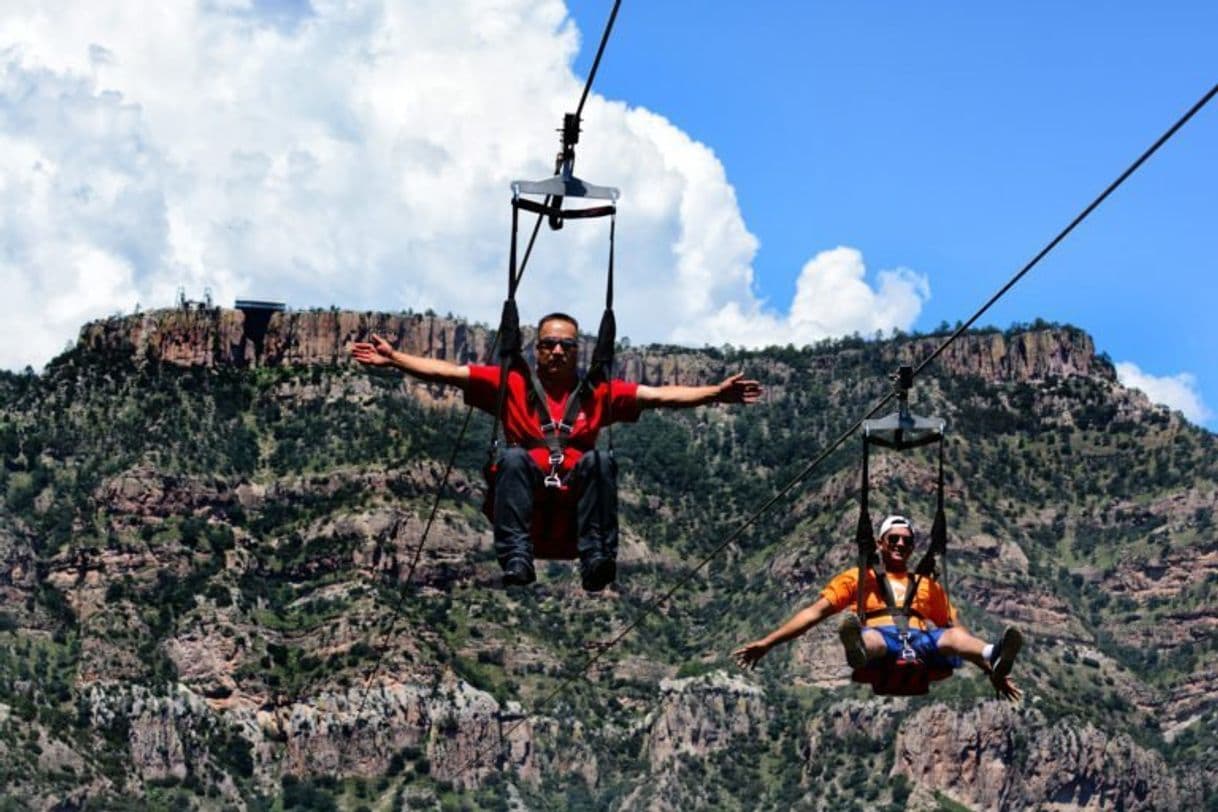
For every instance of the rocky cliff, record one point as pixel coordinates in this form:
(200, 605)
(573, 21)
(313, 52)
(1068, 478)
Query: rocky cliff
(214, 592)
(210, 337)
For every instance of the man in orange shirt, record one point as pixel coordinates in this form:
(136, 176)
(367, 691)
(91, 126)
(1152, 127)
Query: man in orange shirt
(935, 633)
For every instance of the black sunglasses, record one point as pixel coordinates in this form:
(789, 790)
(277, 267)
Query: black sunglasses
(568, 344)
(899, 539)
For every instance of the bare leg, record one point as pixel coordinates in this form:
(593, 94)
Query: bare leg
(958, 641)
(998, 665)
(861, 645)
(874, 642)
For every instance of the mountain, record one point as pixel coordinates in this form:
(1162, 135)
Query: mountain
(208, 526)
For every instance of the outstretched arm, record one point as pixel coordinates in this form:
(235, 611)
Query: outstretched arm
(733, 390)
(378, 353)
(747, 655)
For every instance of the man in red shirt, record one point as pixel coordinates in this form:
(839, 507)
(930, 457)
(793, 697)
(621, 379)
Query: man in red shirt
(935, 633)
(587, 475)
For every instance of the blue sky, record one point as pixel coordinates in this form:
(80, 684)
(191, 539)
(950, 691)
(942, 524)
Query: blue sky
(789, 171)
(956, 139)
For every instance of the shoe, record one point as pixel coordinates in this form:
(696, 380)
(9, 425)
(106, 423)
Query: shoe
(518, 573)
(598, 573)
(1002, 659)
(851, 635)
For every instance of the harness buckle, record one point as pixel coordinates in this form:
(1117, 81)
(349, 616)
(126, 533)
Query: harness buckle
(553, 479)
(907, 652)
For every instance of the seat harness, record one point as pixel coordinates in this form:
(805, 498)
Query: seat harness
(555, 434)
(901, 431)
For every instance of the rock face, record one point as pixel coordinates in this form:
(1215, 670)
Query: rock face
(18, 578)
(992, 756)
(702, 715)
(872, 720)
(697, 720)
(212, 337)
(217, 598)
(455, 731)
(1033, 355)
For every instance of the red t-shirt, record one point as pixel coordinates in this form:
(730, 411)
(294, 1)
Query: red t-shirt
(521, 421)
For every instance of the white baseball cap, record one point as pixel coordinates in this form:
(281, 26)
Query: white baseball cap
(896, 521)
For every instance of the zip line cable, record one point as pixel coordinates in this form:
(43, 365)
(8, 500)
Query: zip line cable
(515, 281)
(1112, 187)
(596, 63)
(603, 648)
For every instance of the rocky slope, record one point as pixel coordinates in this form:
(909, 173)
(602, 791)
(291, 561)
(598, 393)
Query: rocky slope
(212, 599)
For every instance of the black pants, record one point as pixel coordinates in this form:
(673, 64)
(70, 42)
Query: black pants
(594, 480)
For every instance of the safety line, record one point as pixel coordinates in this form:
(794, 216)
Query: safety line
(604, 647)
(435, 505)
(469, 411)
(658, 602)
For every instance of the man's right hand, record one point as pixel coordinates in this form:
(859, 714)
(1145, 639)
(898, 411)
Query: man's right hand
(747, 655)
(376, 353)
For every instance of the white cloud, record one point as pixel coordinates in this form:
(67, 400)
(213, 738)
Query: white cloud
(1177, 392)
(832, 298)
(359, 155)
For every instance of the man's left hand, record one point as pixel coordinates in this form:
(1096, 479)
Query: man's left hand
(737, 390)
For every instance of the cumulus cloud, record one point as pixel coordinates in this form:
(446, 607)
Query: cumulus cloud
(1178, 392)
(360, 155)
(832, 298)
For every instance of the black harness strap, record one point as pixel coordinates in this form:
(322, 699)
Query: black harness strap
(565, 214)
(606, 335)
(936, 553)
(509, 343)
(905, 434)
(555, 435)
(601, 369)
(864, 539)
(868, 559)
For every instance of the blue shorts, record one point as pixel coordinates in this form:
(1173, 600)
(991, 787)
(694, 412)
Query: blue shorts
(924, 643)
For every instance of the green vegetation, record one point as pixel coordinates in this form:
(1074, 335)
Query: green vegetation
(153, 504)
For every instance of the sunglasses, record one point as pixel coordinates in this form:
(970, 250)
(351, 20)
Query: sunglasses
(548, 344)
(900, 540)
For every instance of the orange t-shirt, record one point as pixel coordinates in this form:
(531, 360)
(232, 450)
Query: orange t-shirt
(930, 601)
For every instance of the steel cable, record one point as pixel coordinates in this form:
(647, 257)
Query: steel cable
(603, 648)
